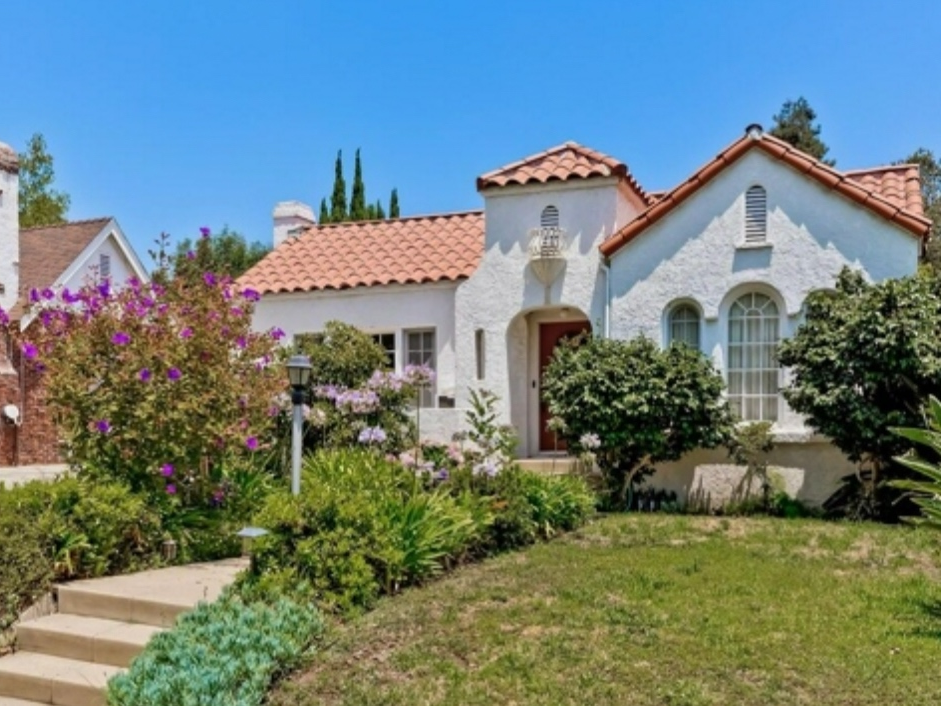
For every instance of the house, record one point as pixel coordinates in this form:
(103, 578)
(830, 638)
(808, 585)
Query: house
(47, 257)
(568, 240)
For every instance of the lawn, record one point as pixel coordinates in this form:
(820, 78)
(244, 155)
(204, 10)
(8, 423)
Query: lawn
(655, 609)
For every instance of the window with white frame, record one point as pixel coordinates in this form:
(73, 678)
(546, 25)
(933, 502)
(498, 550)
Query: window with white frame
(756, 215)
(684, 326)
(549, 217)
(104, 266)
(420, 350)
(753, 368)
(387, 342)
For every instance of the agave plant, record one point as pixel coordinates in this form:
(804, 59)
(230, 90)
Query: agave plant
(926, 492)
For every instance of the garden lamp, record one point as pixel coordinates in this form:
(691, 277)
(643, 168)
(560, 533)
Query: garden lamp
(249, 535)
(299, 375)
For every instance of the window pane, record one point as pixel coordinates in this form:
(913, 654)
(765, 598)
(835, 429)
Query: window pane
(753, 370)
(420, 350)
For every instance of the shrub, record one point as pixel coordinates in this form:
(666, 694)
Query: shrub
(641, 404)
(25, 566)
(226, 653)
(865, 360)
(155, 384)
(343, 356)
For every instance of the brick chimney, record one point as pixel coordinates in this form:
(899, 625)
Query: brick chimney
(291, 216)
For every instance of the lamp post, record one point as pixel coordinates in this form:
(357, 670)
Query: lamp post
(299, 375)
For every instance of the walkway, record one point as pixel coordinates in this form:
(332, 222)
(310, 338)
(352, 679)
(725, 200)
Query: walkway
(15, 475)
(102, 624)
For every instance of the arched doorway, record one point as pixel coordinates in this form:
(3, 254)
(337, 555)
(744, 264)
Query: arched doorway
(551, 335)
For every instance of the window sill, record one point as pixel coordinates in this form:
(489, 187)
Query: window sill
(754, 246)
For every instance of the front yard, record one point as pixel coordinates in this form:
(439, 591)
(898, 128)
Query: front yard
(654, 609)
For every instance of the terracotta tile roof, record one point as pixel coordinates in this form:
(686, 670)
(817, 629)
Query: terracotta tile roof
(445, 247)
(569, 160)
(47, 251)
(898, 183)
(892, 205)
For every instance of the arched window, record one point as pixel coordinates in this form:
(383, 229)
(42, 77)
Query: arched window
(756, 215)
(753, 367)
(549, 217)
(684, 325)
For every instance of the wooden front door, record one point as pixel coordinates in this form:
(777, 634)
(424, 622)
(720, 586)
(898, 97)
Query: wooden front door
(550, 335)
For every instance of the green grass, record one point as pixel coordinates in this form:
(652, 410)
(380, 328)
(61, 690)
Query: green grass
(648, 609)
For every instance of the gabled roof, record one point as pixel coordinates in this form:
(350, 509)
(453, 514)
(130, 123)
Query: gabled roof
(46, 252)
(444, 247)
(564, 162)
(887, 191)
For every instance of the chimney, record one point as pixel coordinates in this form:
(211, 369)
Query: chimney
(290, 216)
(9, 227)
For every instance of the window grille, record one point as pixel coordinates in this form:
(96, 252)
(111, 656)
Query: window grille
(753, 368)
(684, 326)
(549, 217)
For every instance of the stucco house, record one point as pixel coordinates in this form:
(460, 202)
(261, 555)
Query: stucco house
(568, 240)
(63, 255)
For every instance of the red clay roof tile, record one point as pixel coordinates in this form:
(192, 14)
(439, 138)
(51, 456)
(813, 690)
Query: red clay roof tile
(445, 247)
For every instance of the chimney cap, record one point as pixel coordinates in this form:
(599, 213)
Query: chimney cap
(293, 209)
(9, 161)
(754, 130)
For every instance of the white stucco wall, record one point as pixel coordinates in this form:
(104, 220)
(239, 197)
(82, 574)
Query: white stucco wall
(695, 254)
(505, 300)
(87, 269)
(9, 238)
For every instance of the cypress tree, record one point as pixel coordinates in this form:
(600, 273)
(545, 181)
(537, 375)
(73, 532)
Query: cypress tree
(358, 210)
(394, 204)
(324, 213)
(338, 212)
(380, 213)
(370, 212)
(795, 124)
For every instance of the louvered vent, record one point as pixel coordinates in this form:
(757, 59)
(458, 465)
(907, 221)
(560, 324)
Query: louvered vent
(756, 215)
(550, 217)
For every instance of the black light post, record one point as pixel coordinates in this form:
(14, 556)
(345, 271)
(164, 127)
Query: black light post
(299, 375)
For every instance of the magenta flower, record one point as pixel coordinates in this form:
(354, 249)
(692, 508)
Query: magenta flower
(190, 255)
(166, 470)
(186, 333)
(174, 374)
(277, 334)
(204, 231)
(103, 426)
(48, 294)
(4, 318)
(34, 295)
(171, 489)
(210, 279)
(120, 339)
(29, 351)
(252, 443)
(241, 342)
(250, 294)
(144, 374)
(104, 289)
(70, 298)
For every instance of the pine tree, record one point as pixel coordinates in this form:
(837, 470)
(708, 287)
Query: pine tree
(358, 199)
(795, 124)
(380, 212)
(370, 212)
(324, 213)
(338, 212)
(394, 204)
(40, 204)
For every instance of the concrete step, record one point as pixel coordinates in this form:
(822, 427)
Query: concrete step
(150, 597)
(8, 701)
(54, 680)
(548, 464)
(90, 639)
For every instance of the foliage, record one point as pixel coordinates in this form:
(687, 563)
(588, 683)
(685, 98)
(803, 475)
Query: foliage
(642, 404)
(159, 385)
(927, 488)
(795, 124)
(358, 195)
(222, 653)
(26, 569)
(40, 204)
(227, 254)
(864, 361)
(358, 209)
(930, 171)
(749, 446)
(342, 356)
(338, 209)
(394, 204)
(494, 444)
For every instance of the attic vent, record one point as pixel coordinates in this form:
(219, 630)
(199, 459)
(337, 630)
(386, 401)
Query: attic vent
(549, 217)
(104, 266)
(756, 215)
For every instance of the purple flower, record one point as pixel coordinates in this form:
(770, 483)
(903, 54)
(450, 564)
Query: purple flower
(70, 298)
(187, 332)
(171, 489)
(34, 295)
(120, 339)
(236, 311)
(250, 294)
(144, 374)
(372, 435)
(210, 279)
(442, 475)
(190, 255)
(277, 334)
(104, 289)
(241, 342)
(204, 231)
(29, 351)
(48, 294)
(166, 470)
(174, 374)
(252, 443)
(103, 426)
(4, 318)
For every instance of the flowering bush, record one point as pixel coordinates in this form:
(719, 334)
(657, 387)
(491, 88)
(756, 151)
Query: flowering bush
(159, 384)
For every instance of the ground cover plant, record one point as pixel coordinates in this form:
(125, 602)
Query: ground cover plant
(656, 609)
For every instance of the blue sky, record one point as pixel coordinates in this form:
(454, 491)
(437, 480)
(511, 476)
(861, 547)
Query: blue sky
(178, 114)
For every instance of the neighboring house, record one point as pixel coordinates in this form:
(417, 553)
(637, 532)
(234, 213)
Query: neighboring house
(47, 257)
(568, 241)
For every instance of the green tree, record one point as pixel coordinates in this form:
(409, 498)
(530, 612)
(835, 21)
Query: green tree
(795, 124)
(358, 211)
(228, 254)
(338, 210)
(324, 213)
(394, 204)
(40, 204)
(930, 171)
(380, 213)
(926, 486)
(865, 360)
(634, 405)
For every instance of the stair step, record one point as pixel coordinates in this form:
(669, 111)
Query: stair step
(98, 640)
(55, 680)
(9, 701)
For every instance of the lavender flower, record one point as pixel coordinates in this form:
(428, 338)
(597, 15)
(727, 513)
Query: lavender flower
(187, 332)
(204, 232)
(103, 426)
(486, 468)
(250, 294)
(144, 374)
(357, 401)
(590, 442)
(277, 334)
(372, 435)
(418, 374)
(210, 279)
(29, 351)
(120, 339)
(174, 374)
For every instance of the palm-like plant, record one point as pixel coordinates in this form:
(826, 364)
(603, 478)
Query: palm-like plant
(926, 492)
